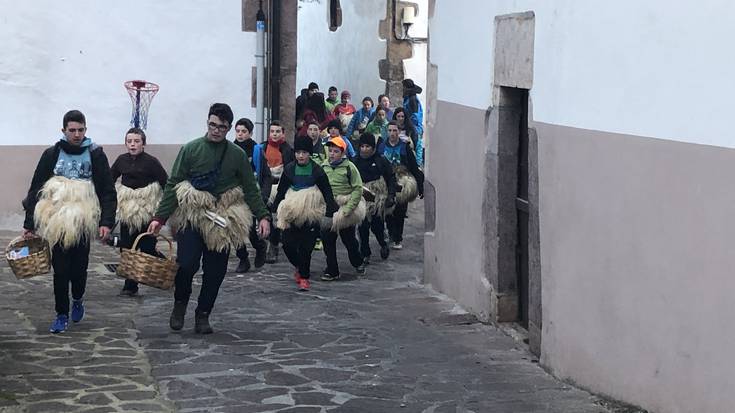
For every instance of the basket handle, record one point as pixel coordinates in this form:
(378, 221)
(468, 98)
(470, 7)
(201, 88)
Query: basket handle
(170, 244)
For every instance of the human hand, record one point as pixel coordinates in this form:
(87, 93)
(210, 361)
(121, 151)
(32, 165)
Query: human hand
(104, 233)
(264, 228)
(28, 233)
(154, 227)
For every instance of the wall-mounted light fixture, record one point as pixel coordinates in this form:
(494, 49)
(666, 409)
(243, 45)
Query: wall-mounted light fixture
(407, 19)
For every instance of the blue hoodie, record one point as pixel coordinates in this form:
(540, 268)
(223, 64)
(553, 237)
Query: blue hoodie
(358, 118)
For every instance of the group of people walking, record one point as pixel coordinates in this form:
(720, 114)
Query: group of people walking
(218, 195)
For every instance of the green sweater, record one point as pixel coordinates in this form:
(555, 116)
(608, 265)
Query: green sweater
(201, 156)
(344, 182)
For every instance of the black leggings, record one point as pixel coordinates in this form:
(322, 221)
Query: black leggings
(190, 252)
(70, 266)
(395, 222)
(298, 243)
(377, 226)
(329, 239)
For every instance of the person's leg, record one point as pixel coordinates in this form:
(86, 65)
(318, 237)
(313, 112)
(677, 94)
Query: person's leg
(244, 265)
(377, 226)
(353, 249)
(309, 235)
(79, 256)
(214, 264)
(61, 263)
(329, 239)
(130, 287)
(364, 232)
(291, 238)
(260, 245)
(272, 254)
(399, 217)
(189, 247)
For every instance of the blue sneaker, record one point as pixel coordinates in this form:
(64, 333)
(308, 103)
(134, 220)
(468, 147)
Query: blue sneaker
(77, 310)
(59, 324)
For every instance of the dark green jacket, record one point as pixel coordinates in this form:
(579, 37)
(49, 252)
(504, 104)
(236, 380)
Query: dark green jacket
(201, 156)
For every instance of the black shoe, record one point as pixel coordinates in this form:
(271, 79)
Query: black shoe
(271, 256)
(243, 267)
(128, 293)
(201, 323)
(259, 257)
(176, 322)
(366, 259)
(384, 252)
(329, 277)
(360, 270)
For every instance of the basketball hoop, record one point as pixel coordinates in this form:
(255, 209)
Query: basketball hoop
(141, 94)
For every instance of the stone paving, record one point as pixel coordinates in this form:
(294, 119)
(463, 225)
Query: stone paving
(382, 343)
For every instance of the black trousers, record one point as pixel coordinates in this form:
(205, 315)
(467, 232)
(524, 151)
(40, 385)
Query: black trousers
(147, 245)
(70, 266)
(275, 236)
(190, 252)
(377, 226)
(395, 222)
(298, 243)
(257, 243)
(347, 235)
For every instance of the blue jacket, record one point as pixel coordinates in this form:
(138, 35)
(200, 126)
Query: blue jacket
(357, 119)
(414, 112)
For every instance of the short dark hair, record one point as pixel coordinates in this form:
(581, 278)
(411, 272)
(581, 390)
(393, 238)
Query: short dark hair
(332, 89)
(377, 108)
(380, 97)
(313, 122)
(394, 123)
(368, 99)
(247, 123)
(137, 131)
(275, 123)
(74, 116)
(222, 111)
(313, 85)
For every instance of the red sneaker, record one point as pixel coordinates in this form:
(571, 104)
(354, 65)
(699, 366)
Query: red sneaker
(304, 284)
(297, 276)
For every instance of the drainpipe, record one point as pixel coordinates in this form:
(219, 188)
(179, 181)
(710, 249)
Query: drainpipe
(260, 74)
(275, 51)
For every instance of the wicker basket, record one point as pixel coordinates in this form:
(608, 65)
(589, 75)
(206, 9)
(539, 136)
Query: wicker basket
(148, 269)
(37, 262)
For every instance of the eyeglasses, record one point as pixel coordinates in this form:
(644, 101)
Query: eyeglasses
(219, 127)
(73, 130)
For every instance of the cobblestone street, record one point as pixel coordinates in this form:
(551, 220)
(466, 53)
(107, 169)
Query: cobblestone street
(379, 344)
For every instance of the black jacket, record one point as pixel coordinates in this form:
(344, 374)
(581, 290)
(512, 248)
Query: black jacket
(101, 178)
(138, 171)
(320, 180)
(373, 168)
(264, 177)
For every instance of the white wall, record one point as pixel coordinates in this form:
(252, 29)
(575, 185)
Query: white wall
(645, 68)
(346, 58)
(77, 54)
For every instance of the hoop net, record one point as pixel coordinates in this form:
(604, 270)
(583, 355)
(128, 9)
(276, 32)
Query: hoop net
(141, 94)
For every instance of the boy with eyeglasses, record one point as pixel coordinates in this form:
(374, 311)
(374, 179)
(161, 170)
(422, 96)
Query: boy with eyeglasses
(211, 198)
(72, 198)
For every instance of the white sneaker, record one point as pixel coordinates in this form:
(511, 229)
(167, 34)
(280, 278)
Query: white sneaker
(396, 246)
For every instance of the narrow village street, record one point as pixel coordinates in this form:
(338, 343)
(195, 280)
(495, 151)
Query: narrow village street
(384, 343)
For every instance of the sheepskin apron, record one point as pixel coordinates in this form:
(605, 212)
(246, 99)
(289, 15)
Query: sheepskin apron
(341, 220)
(305, 206)
(410, 189)
(377, 207)
(231, 205)
(135, 207)
(67, 211)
